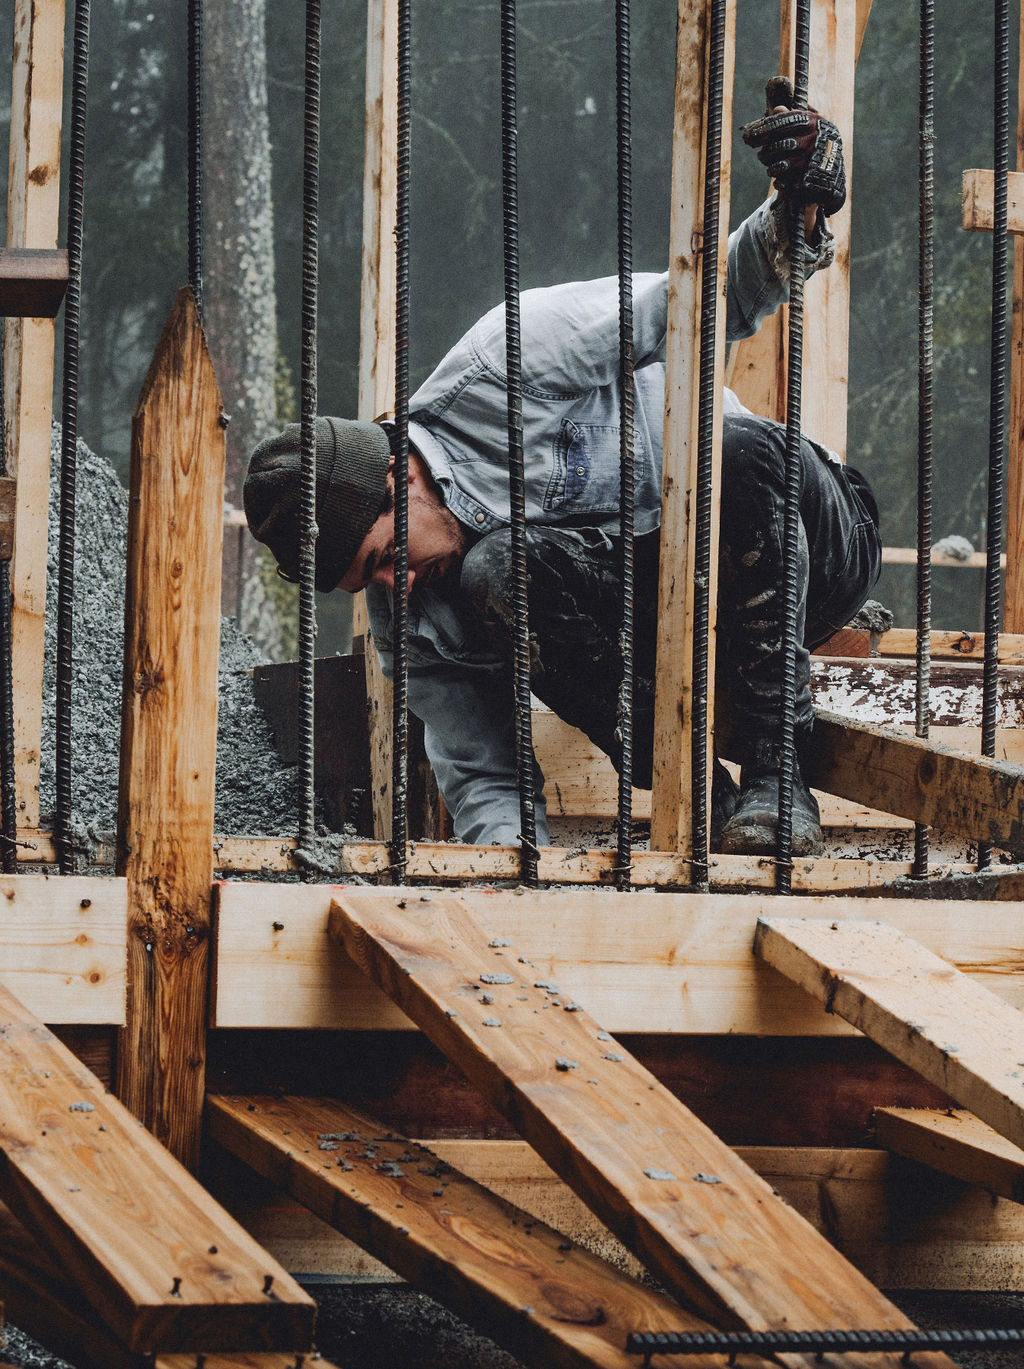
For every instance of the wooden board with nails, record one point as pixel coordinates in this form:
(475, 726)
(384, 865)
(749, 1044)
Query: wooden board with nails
(161, 1263)
(954, 1142)
(522, 1283)
(699, 1218)
(918, 1006)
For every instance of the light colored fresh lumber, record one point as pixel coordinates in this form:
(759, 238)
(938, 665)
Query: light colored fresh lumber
(679, 1198)
(935, 1231)
(377, 341)
(671, 813)
(684, 967)
(169, 729)
(33, 216)
(921, 1008)
(62, 946)
(957, 1143)
(162, 1264)
(907, 556)
(979, 201)
(976, 797)
(516, 1279)
(968, 646)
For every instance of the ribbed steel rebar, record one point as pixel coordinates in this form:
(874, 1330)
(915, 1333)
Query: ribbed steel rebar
(707, 399)
(400, 618)
(69, 442)
(771, 1343)
(624, 185)
(307, 415)
(8, 791)
(998, 398)
(925, 373)
(516, 471)
(195, 150)
(791, 520)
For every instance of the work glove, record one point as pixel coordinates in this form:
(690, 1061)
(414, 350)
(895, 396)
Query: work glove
(802, 150)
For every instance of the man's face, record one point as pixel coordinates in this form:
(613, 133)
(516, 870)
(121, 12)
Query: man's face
(437, 541)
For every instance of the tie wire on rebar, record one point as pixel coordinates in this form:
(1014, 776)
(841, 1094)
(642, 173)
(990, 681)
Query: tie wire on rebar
(516, 470)
(998, 397)
(627, 464)
(400, 612)
(307, 412)
(67, 853)
(925, 376)
(791, 518)
(707, 400)
(195, 151)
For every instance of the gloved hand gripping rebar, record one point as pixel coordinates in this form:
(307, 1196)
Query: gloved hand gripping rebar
(802, 150)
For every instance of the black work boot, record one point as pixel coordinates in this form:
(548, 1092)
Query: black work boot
(724, 794)
(752, 828)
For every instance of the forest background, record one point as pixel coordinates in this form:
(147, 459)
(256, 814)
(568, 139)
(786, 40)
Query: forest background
(135, 236)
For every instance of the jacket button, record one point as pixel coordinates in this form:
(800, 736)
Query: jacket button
(581, 470)
(480, 518)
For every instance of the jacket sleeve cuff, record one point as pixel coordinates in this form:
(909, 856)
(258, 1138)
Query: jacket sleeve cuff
(819, 249)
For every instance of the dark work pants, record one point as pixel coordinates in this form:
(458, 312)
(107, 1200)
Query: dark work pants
(575, 597)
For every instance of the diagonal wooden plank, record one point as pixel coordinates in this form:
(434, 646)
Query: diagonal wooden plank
(977, 797)
(544, 1299)
(163, 1265)
(660, 1180)
(922, 1009)
(956, 1143)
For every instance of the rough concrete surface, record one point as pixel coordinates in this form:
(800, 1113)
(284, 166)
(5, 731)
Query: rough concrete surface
(364, 1326)
(255, 794)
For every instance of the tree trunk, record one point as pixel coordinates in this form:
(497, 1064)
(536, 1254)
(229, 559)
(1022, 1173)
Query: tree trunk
(239, 300)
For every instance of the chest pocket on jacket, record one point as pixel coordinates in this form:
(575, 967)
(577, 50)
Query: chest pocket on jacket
(585, 469)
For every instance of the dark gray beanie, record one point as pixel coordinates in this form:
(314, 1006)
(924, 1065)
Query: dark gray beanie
(352, 461)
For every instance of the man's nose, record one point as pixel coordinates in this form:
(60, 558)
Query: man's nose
(386, 576)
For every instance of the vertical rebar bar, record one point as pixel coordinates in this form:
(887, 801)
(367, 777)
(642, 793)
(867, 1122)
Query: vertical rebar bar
(69, 443)
(516, 471)
(400, 616)
(307, 413)
(791, 520)
(925, 373)
(195, 151)
(8, 790)
(627, 501)
(707, 399)
(998, 397)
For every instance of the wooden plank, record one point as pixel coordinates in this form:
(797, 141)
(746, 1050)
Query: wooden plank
(899, 1229)
(952, 645)
(161, 1263)
(907, 556)
(717, 1235)
(979, 798)
(33, 214)
(377, 341)
(957, 1143)
(62, 946)
(915, 1004)
(671, 821)
(685, 967)
(518, 1280)
(979, 201)
(33, 281)
(169, 728)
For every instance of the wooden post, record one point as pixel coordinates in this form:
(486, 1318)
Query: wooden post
(169, 729)
(757, 367)
(673, 712)
(377, 336)
(33, 210)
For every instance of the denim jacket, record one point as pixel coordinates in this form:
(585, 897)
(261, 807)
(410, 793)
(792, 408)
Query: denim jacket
(458, 423)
